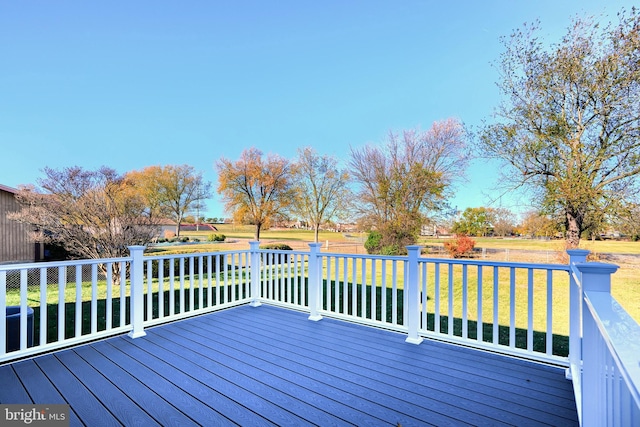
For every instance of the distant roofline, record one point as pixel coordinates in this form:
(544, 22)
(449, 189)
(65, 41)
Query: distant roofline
(8, 189)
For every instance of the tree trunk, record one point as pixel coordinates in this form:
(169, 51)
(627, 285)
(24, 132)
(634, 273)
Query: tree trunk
(574, 226)
(257, 233)
(178, 226)
(317, 232)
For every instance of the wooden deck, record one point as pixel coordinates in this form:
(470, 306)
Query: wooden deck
(269, 366)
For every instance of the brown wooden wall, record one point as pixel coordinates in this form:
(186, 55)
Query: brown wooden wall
(14, 240)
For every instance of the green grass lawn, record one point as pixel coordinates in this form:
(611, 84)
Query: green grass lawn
(247, 232)
(625, 283)
(597, 246)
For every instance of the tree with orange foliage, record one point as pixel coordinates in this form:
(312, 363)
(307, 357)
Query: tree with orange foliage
(171, 191)
(254, 189)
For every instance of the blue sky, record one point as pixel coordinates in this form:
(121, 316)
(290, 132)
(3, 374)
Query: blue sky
(130, 84)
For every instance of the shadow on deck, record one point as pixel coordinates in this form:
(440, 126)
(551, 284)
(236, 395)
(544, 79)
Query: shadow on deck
(271, 366)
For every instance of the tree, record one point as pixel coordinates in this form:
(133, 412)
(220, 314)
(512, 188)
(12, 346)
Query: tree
(255, 190)
(569, 123)
(321, 191)
(475, 222)
(407, 179)
(171, 190)
(536, 224)
(627, 221)
(504, 222)
(91, 214)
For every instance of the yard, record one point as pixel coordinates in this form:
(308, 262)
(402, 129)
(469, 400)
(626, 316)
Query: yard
(625, 283)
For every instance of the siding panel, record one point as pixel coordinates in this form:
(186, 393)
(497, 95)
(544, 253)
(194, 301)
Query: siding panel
(14, 239)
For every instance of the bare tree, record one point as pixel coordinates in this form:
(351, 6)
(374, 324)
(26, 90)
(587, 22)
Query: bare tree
(91, 214)
(255, 190)
(504, 222)
(408, 178)
(321, 191)
(569, 123)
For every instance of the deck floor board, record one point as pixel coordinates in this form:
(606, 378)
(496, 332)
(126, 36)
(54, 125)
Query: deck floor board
(358, 370)
(350, 387)
(348, 373)
(280, 391)
(184, 402)
(272, 366)
(82, 402)
(329, 399)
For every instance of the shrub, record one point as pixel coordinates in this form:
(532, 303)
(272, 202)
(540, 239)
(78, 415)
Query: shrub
(184, 239)
(460, 246)
(216, 237)
(389, 241)
(276, 258)
(277, 246)
(373, 245)
(169, 235)
(393, 250)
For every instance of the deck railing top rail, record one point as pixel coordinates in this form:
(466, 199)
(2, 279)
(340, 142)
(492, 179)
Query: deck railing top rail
(54, 264)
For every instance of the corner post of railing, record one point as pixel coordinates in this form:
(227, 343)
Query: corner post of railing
(412, 289)
(137, 291)
(315, 287)
(596, 277)
(254, 250)
(576, 256)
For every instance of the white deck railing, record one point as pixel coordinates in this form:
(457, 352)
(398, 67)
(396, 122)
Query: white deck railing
(507, 307)
(63, 302)
(605, 348)
(86, 300)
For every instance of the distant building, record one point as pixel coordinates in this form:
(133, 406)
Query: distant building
(197, 227)
(15, 245)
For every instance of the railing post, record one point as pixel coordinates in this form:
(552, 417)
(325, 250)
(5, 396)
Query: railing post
(412, 289)
(596, 277)
(575, 313)
(254, 247)
(315, 297)
(136, 305)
